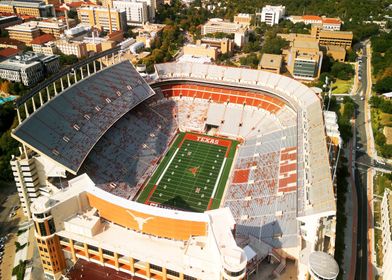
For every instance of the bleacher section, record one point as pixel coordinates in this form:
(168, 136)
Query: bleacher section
(124, 158)
(257, 195)
(67, 127)
(315, 194)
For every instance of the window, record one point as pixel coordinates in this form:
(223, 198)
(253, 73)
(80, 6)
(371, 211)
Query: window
(93, 248)
(52, 228)
(187, 277)
(107, 252)
(155, 267)
(42, 229)
(172, 272)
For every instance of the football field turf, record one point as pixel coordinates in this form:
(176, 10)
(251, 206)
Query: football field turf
(193, 174)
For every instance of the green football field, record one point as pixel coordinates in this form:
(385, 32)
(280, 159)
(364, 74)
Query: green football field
(192, 175)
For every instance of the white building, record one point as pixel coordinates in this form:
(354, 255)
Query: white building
(29, 68)
(272, 14)
(386, 215)
(218, 25)
(136, 11)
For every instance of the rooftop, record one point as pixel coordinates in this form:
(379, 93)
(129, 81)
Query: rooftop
(323, 265)
(305, 44)
(82, 114)
(40, 40)
(8, 52)
(311, 17)
(271, 60)
(92, 271)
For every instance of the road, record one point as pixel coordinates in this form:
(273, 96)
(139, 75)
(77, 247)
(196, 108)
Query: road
(364, 163)
(361, 180)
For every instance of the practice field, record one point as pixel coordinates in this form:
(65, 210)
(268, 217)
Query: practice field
(193, 174)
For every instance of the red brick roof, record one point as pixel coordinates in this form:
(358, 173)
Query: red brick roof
(310, 17)
(331, 20)
(42, 39)
(9, 41)
(79, 4)
(8, 52)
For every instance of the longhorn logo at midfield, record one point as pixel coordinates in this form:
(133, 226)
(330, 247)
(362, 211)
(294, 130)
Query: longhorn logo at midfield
(140, 221)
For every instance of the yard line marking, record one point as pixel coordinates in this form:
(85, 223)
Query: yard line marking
(167, 166)
(218, 179)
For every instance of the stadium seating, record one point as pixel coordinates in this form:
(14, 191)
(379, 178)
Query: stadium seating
(70, 125)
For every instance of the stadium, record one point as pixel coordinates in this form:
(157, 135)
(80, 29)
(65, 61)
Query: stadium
(214, 169)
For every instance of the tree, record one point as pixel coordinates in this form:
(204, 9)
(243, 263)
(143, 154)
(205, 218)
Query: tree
(5, 86)
(384, 85)
(274, 45)
(342, 70)
(68, 59)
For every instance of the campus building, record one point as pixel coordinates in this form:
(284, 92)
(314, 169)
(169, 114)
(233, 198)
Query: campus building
(6, 21)
(386, 228)
(272, 14)
(29, 68)
(136, 11)
(201, 50)
(35, 8)
(332, 37)
(103, 18)
(271, 63)
(25, 32)
(44, 44)
(244, 19)
(304, 59)
(324, 22)
(70, 47)
(224, 45)
(218, 25)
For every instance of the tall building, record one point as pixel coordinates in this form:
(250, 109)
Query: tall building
(103, 18)
(272, 14)
(304, 60)
(386, 227)
(136, 11)
(36, 8)
(29, 68)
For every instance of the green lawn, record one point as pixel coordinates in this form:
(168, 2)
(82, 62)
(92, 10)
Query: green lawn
(188, 174)
(341, 86)
(381, 182)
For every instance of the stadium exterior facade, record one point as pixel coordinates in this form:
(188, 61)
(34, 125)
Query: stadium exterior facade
(81, 212)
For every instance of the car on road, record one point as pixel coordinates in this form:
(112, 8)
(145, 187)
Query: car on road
(362, 98)
(12, 214)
